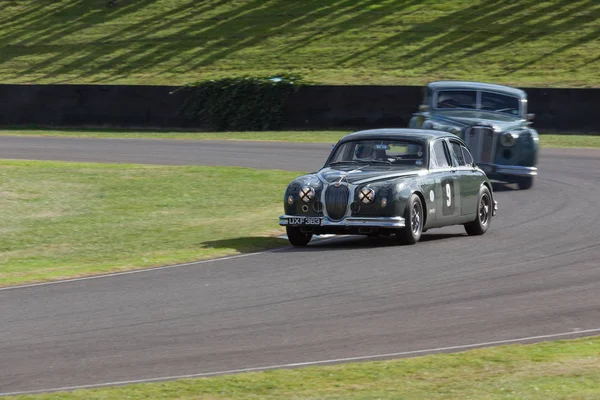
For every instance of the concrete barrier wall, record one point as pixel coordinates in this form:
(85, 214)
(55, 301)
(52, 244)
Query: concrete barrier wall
(312, 107)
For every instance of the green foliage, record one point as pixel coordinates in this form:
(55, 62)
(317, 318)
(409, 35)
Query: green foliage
(241, 103)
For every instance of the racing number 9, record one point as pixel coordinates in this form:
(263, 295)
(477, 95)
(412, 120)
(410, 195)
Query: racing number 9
(449, 203)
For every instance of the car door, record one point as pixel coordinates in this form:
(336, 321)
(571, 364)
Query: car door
(467, 177)
(447, 184)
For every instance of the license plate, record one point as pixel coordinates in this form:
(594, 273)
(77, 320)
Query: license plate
(304, 221)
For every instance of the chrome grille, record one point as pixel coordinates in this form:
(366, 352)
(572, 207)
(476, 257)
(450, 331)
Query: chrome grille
(336, 201)
(482, 143)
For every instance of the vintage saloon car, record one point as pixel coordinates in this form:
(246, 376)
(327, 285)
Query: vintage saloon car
(390, 181)
(491, 119)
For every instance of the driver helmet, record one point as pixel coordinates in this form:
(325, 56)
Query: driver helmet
(363, 151)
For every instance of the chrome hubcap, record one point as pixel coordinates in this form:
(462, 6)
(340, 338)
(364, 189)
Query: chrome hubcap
(415, 219)
(484, 209)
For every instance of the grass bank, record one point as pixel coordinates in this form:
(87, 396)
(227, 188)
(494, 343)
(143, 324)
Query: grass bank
(172, 42)
(565, 369)
(546, 140)
(73, 219)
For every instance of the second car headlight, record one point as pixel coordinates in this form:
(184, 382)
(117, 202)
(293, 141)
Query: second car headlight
(508, 139)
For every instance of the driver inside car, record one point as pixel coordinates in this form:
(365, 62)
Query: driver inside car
(364, 151)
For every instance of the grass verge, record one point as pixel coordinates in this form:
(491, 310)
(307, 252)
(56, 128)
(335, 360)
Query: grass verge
(566, 369)
(570, 141)
(172, 42)
(546, 139)
(280, 136)
(62, 219)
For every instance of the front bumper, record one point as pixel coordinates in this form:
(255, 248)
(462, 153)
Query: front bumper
(360, 222)
(514, 170)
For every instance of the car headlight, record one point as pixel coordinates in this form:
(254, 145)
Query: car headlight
(306, 194)
(366, 195)
(431, 125)
(508, 139)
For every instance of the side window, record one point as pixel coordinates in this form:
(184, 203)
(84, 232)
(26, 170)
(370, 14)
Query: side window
(467, 156)
(458, 153)
(440, 157)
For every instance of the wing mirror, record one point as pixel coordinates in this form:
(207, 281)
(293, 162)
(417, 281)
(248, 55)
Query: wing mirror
(423, 108)
(530, 117)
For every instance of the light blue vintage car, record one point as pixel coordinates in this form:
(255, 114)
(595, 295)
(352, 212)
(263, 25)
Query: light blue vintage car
(492, 120)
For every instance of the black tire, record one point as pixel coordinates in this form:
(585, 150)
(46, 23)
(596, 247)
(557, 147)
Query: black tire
(296, 237)
(413, 216)
(525, 182)
(482, 221)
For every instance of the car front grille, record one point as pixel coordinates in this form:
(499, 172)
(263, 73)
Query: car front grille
(336, 201)
(482, 143)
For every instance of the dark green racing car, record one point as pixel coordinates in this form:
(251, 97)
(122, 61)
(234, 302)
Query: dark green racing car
(398, 182)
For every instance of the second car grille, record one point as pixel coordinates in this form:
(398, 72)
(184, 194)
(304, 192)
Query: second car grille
(336, 201)
(482, 142)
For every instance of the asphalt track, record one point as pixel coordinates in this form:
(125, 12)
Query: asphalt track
(271, 155)
(536, 272)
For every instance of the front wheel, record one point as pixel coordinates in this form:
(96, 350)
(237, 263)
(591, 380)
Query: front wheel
(484, 214)
(525, 182)
(413, 218)
(296, 237)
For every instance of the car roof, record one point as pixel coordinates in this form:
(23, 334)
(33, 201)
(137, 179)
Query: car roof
(398, 133)
(437, 85)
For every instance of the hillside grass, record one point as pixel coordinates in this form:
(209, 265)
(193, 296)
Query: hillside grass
(564, 369)
(64, 220)
(171, 42)
(546, 140)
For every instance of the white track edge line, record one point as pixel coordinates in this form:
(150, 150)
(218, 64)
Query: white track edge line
(307, 363)
(151, 269)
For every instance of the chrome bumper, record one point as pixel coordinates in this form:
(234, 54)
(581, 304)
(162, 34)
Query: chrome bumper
(375, 222)
(495, 208)
(516, 170)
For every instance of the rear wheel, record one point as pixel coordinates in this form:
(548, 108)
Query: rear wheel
(484, 214)
(296, 237)
(525, 182)
(413, 218)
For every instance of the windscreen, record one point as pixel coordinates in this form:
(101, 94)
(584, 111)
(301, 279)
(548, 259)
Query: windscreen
(467, 100)
(380, 151)
(500, 103)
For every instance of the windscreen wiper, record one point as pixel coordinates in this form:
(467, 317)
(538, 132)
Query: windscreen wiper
(343, 162)
(379, 162)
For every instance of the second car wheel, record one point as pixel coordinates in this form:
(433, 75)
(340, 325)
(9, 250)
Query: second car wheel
(525, 182)
(482, 221)
(413, 219)
(296, 237)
